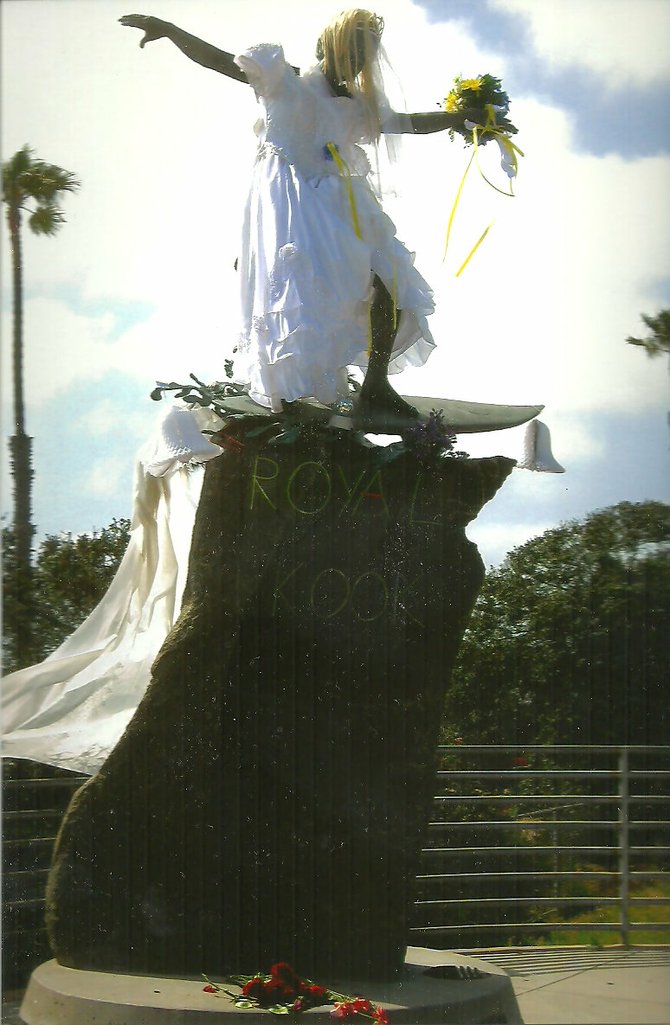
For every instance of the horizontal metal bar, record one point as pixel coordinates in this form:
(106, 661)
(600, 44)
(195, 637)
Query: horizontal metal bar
(539, 927)
(575, 824)
(520, 773)
(29, 902)
(463, 876)
(576, 800)
(546, 748)
(594, 849)
(658, 901)
(579, 799)
(557, 902)
(531, 902)
(25, 873)
(539, 824)
(33, 813)
(28, 842)
(526, 927)
(46, 784)
(8, 935)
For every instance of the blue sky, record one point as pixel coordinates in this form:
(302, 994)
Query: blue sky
(139, 283)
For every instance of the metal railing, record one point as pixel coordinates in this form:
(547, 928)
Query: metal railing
(518, 840)
(487, 847)
(34, 799)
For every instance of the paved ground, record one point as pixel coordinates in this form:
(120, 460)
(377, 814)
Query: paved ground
(589, 987)
(10, 1014)
(570, 987)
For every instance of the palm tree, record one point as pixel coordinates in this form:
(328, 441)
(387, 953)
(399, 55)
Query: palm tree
(659, 342)
(33, 186)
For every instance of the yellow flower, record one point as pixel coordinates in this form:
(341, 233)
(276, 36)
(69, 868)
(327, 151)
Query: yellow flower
(451, 102)
(473, 84)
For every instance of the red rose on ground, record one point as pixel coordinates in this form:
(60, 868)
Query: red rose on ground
(380, 1016)
(343, 1011)
(254, 989)
(210, 989)
(285, 974)
(276, 990)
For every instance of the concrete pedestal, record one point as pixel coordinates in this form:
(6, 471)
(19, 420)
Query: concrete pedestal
(69, 996)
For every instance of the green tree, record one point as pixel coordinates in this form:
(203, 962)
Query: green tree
(34, 187)
(71, 575)
(568, 640)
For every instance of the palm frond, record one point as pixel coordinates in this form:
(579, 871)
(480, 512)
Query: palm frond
(46, 219)
(659, 341)
(13, 171)
(44, 182)
(25, 178)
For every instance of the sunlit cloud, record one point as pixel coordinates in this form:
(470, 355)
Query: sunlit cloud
(620, 41)
(496, 539)
(106, 476)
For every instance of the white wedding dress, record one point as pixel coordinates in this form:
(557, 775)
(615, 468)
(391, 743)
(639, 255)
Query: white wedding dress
(314, 235)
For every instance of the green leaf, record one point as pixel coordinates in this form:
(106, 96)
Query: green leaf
(279, 1009)
(391, 452)
(257, 431)
(287, 437)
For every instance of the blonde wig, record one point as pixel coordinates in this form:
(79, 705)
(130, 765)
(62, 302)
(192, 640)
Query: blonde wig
(348, 49)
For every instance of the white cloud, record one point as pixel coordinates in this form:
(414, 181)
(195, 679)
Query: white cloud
(105, 418)
(573, 441)
(494, 540)
(61, 347)
(106, 476)
(625, 42)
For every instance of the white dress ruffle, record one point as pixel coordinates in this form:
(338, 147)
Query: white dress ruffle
(305, 275)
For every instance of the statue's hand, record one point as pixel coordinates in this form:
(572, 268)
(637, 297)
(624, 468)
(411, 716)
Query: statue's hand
(479, 117)
(153, 28)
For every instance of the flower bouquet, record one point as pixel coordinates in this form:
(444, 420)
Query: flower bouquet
(487, 105)
(483, 96)
(284, 992)
(484, 105)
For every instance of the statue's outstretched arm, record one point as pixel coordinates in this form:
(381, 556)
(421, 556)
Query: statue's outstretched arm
(441, 121)
(196, 49)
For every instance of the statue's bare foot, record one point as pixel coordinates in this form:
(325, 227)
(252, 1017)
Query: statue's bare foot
(382, 399)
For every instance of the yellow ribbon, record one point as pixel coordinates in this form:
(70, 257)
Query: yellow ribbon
(503, 139)
(345, 174)
(491, 128)
(456, 202)
(473, 250)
